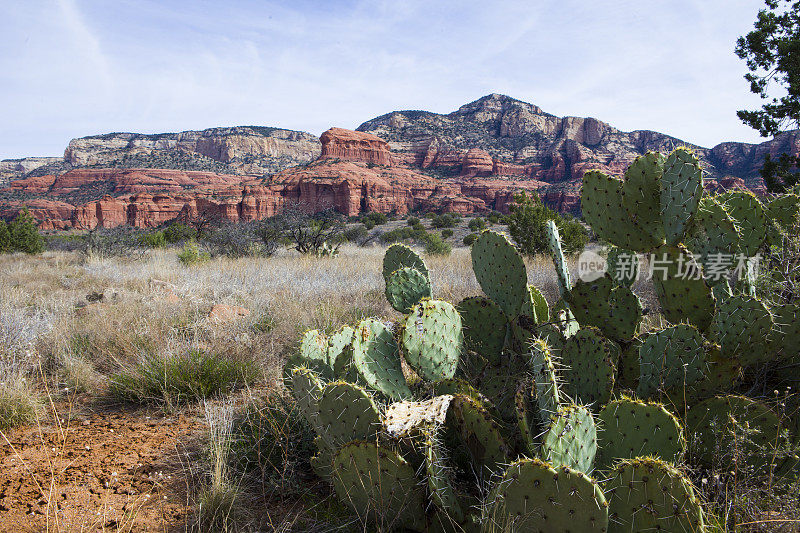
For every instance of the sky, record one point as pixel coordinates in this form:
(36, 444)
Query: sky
(71, 68)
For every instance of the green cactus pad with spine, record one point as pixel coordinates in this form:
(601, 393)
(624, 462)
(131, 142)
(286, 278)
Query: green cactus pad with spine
(526, 415)
(432, 339)
(484, 325)
(563, 317)
(615, 310)
(307, 391)
(682, 298)
(571, 439)
(722, 374)
(726, 430)
(406, 287)
(313, 353)
(589, 369)
(439, 478)
(601, 205)
(628, 367)
(671, 359)
(713, 234)
(480, 434)
(560, 263)
(398, 256)
(641, 193)
(379, 485)
(535, 306)
(630, 428)
(750, 217)
(681, 190)
(499, 383)
(545, 386)
(347, 412)
(376, 357)
(783, 214)
(647, 494)
(534, 496)
(622, 266)
(742, 326)
(500, 271)
(340, 350)
(786, 333)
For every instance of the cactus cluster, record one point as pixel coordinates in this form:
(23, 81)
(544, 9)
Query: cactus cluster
(504, 411)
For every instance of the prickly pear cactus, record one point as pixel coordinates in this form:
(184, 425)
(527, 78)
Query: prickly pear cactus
(783, 215)
(713, 233)
(682, 292)
(484, 325)
(671, 359)
(562, 271)
(647, 494)
(545, 386)
(615, 310)
(622, 266)
(398, 256)
(735, 433)
(432, 339)
(405, 287)
(628, 367)
(641, 194)
(313, 354)
(750, 217)
(440, 479)
(340, 351)
(681, 190)
(571, 439)
(601, 205)
(630, 428)
(785, 336)
(742, 326)
(527, 422)
(307, 391)
(589, 359)
(376, 357)
(480, 434)
(535, 306)
(500, 271)
(379, 486)
(535, 496)
(347, 412)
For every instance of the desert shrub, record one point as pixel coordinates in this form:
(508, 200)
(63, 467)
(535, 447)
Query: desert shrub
(154, 239)
(412, 221)
(177, 232)
(272, 443)
(21, 235)
(527, 225)
(375, 218)
(470, 238)
(357, 234)
(173, 380)
(122, 241)
(250, 239)
(445, 220)
(477, 224)
(19, 403)
(435, 245)
(416, 234)
(494, 217)
(447, 233)
(191, 254)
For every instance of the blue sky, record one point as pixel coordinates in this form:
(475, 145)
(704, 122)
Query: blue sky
(70, 68)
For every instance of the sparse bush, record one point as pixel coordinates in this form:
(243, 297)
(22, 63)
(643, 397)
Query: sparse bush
(477, 224)
(445, 220)
(412, 221)
(122, 241)
(5, 238)
(528, 227)
(191, 254)
(251, 239)
(21, 235)
(447, 233)
(470, 239)
(19, 403)
(173, 380)
(435, 245)
(494, 217)
(357, 234)
(154, 239)
(377, 219)
(177, 232)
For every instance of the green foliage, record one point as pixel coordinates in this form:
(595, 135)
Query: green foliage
(356, 234)
(435, 245)
(6, 244)
(191, 254)
(412, 221)
(415, 234)
(373, 219)
(477, 224)
(470, 238)
(154, 239)
(19, 404)
(445, 220)
(173, 380)
(527, 225)
(21, 235)
(447, 233)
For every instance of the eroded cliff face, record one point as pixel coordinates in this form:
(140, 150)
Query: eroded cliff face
(474, 159)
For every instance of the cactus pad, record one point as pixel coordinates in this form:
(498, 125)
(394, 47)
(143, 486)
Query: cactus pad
(439, 477)
(379, 485)
(313, 352)
(535, 306)
(641, 193)
(340, 350)
(571, 439)
(628, 367)
(713, 234)
(376, 357)
(404, 418)
(629, 428)
(307, 391)
(347, 412)
(484, 325)
(742, 327)
(616, 311)
(406, 287)
(646, 494)
(589, 368)
(500, 272)
(783, 214)
(670, 359)
(623, 266)
(432, 339)
(683, 296)
(534, 496)
(545, 387)
(786, 333)
(681, 190)
(480, 434)
(735, 433)
(750, 217)
(398, 256)
(560, 263)
(601, 205)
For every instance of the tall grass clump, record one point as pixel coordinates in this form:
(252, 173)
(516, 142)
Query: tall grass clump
(174, 380)
(19, 404)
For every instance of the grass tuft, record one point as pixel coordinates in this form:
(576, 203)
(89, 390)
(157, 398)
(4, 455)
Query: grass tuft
(19, 404)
